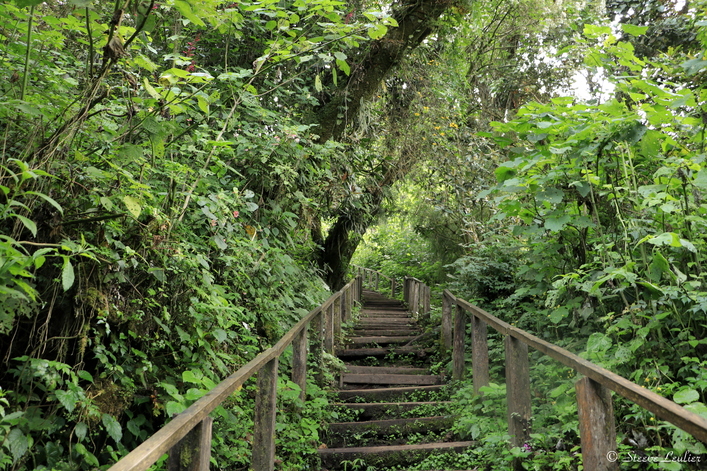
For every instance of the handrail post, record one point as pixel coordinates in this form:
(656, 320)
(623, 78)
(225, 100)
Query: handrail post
(518, 393)
(458, 352)
(299, 362)
(597, 429)
(193, 452)
(392, 287)
(329, 329)
(479, 353)
(377, 280)
(264, 418)
(446, 322)
(336, 313)
(317, 325)
(428, 293)
(415, 298)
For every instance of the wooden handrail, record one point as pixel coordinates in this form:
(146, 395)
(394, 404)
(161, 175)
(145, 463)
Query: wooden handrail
(416, 295)
(597, 428)
(169, 437)
(371, 278)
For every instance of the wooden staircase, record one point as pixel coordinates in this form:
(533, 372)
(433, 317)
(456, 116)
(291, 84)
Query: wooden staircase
(376, 395)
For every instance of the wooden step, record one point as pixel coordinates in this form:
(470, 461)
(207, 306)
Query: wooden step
(371, 370)
(383, 331)
(377, 410)
(381, 410)
(387, 456)
(379, 313)
(380, 340)
(401, 321)
(384, 394)
(341, 433)
(349, 353)
(421, 380)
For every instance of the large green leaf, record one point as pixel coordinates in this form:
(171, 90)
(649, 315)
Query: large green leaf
(112, 427)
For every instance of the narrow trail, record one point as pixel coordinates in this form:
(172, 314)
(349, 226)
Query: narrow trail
(384, 369)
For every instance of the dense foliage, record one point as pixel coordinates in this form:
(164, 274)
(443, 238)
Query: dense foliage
(581, 212)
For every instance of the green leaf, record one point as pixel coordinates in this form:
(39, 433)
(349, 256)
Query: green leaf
(150, 89)
(634, 30)
(81, 430)
(47, 199)
(133, 206)
(83, 374)
(67, 274)
(192, 376)
(112, 427)
(658, 266)
(558, 314)
(18, 443)
(173, 408)
(344, 66)
(686, 396)
(186, 11)
(598, 343)
(90, 458)
(377, 31)
(67, 399)
(220, 243)
(28, 223)
(556, 224)
(318, 83)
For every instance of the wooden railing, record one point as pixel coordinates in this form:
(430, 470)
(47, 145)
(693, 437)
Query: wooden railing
(416, 295)
(187, 437)
(595, 409)
(371, 279)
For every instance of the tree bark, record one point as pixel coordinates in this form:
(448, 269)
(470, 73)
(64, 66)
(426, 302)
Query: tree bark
(416, 20)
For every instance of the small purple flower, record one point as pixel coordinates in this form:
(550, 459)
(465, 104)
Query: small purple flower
(527, 448)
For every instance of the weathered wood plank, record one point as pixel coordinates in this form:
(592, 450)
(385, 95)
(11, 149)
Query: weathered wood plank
(371, 410)
(382, 351)
(384, 394)
(355, 369)
(391, 379)
(446, 322)
(479, 353)
(338, 432)
(380, 339)
(299, 362)
(597, 428)
(662, 407)
(518, 391)
(263, 458)
(411, 453)
(372, 332)
(458, 366)
(329, 329)
(193, 452)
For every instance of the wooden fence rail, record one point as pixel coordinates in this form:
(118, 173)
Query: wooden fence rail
(371, 279)
(416, 295)
(187, 437)
(595, 410)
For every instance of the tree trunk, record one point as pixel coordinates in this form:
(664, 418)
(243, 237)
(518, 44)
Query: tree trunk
(416, 20)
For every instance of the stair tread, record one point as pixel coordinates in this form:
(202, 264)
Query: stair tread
(353, 378)
(387, 422)
(356, 369)
(394, 448)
